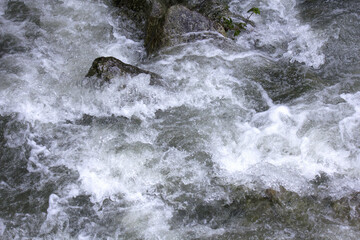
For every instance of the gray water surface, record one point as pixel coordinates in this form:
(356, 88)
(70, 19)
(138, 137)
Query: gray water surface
(252, 138)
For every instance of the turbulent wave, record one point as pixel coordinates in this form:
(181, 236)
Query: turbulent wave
(256, 138)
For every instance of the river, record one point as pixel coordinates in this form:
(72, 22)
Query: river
(258, 138)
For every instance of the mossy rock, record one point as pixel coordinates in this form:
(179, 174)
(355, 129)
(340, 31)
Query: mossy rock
(168, 21)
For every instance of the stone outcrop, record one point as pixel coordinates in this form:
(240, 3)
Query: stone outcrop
(135, 5)
(104, 69)
(180, 20)
(155, 21)
(212, 9)
(169, 22)
(180, 25)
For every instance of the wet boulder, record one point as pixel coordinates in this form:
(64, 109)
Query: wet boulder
(208, 8)
(146, 5)
(135, 5)
(136, 10)
(212, 9)
(104, 69)
(169, 22)
(181, 25)
(155, 21)
(180, 20)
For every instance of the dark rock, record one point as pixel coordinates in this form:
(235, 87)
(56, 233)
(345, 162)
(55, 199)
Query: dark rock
(136, 10)
(145, 6)
(180, 25)
(208, 8)
(181, 20)
(212, 9)
(88, 120)
(135, 5)
(106, 68)
(154, 30)
(166, 21)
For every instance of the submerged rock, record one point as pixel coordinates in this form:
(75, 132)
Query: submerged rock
(18, 11)
(11, 44)
(104, 69)
(347, 208)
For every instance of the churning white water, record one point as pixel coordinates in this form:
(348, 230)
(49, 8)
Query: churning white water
(276, 108)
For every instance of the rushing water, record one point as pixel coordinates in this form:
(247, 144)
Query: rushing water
(278, 108)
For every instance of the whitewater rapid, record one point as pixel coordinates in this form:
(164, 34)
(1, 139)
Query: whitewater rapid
(277, 107)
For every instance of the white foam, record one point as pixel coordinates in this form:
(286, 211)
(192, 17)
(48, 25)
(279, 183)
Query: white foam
(277, 26)
(59, 57)
(55, 215)
(284, 145)
(350, 126)
(2, 227)
(270, 150)
(149, 220)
